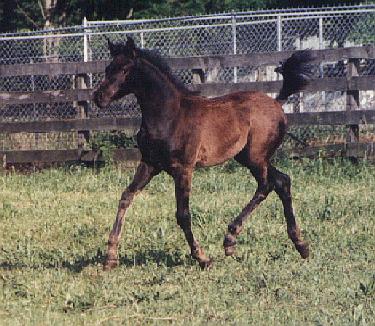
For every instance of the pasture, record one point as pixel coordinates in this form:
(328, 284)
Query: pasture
(54, 226)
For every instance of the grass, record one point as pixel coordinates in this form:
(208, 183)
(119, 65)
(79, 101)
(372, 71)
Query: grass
(54, 226)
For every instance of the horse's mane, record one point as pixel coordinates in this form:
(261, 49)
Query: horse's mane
(154, 57)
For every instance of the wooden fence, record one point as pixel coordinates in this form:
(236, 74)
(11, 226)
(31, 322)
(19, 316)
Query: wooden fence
(351, 116)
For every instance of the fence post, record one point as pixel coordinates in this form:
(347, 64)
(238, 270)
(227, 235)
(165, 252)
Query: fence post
(198, 76)
(352, 103)
(212, 70)
(321, 47)
(142, 40)
(83, 82)
(32, 77)
(234, 37)
(3, 162)
(279, 33)
(85, 41)
(296, 104)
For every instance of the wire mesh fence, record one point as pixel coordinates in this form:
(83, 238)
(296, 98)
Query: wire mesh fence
(220, 34)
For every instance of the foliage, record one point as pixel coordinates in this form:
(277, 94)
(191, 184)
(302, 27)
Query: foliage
(26, 14)
(108, 141)
(20, 15)
(364, 31)
(54, 227)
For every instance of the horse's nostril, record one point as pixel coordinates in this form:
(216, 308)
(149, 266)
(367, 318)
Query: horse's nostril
(99, 99)
(97, 96)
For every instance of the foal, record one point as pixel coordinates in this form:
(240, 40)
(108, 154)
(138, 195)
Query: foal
(181, 131)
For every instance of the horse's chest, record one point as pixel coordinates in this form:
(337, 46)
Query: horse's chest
(154, 151)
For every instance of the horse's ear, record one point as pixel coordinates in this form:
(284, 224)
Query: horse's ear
(131, 48)
(111, 46)
(130, 44)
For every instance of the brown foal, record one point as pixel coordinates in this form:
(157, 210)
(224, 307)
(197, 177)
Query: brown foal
(181, 130)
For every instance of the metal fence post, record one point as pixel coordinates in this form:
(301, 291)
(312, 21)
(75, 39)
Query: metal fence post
(85, 41)
(142, 40)
(83, 82)
(321, 44)
(234, 37)
(279, 33)
(321, 47)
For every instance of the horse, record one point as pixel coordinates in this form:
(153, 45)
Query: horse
(181, 130)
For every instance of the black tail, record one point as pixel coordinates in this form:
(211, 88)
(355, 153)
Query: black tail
(296, 73)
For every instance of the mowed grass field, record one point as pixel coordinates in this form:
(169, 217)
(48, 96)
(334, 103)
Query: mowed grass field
(54, 226)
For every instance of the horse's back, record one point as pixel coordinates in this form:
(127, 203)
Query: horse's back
(253, 102)
(231, 122)
(246, 111)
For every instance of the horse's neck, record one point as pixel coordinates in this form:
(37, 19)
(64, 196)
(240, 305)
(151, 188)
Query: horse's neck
(157, 96)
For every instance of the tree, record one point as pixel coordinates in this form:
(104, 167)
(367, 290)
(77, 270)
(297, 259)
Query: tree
(25, 15)
(33, 14)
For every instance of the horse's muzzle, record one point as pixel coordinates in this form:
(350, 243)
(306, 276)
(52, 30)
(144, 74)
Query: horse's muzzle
(98, 99)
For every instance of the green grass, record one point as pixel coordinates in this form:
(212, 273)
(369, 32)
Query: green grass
(54, 226)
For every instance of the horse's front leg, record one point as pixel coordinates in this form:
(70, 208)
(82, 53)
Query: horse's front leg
(141, 178)
(183, 189)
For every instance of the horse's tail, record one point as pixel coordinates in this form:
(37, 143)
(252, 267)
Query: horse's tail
(296, 73)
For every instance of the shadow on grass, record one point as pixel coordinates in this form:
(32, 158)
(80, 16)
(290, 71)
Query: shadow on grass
(152, 256)
(160, 257)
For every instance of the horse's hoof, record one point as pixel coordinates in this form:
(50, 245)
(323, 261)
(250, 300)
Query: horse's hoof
(229, 245)
(303, 250)
(229, 251)
(110, 264)
(207, 264)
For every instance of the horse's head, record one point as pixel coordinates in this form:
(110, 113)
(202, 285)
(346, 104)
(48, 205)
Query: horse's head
(119, 74)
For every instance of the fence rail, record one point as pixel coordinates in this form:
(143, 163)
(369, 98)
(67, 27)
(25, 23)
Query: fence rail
(189, 62)
(132, 156)
(131, 125)
(362, 83)
(193, 63)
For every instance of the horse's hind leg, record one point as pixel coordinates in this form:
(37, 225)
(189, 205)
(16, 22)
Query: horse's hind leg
(282, 187)
(260, 172)
(182, 181)
(141, 178)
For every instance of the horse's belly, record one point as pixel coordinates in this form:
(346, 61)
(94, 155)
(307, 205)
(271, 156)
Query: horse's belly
(213, 155)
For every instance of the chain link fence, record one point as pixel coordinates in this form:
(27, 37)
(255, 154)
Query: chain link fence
(219, 34)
